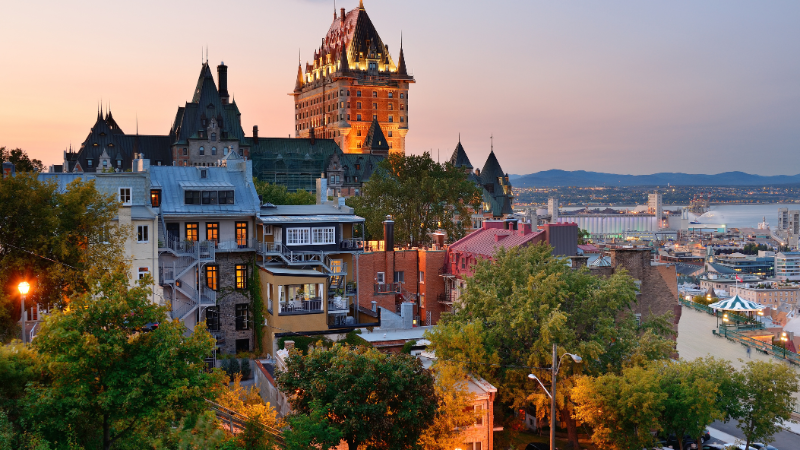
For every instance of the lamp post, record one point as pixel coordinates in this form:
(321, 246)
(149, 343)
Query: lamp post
(552, 393)
(784, 339)
(725, 323)
(23, 287)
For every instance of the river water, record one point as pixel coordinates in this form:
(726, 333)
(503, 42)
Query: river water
(736, 216)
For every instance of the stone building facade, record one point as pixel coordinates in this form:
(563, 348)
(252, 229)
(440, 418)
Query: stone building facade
(232, 318)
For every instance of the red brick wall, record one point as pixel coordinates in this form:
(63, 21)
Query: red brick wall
(430, 262)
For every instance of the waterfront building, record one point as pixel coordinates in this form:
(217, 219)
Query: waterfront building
(774, 295)
(737, 263)
(787, 265)
(654, 208)
(354, 89)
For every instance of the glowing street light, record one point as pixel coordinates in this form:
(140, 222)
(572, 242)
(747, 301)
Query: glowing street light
(23, 287)
(784, 339)
(552, 392)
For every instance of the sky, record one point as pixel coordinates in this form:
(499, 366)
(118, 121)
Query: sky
(628, 87)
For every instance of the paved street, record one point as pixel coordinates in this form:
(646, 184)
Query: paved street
(695, 341)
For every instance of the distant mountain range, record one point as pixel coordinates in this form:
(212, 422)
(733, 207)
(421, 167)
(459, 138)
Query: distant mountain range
(582, 178)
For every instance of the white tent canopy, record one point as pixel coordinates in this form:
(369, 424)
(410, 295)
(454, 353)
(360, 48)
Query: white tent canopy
(737, 303)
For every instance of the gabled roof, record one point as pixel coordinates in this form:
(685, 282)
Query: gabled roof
(486, 241)
(459, 158)
(375, 140)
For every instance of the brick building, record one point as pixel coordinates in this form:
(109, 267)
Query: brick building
(657, 282)
(353, 90)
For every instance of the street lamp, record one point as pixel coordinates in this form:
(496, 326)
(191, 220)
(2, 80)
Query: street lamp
(784, 338)
(552, 392)
(23, 287)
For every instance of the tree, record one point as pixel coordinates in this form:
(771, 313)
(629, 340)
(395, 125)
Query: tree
(522, 301)
(21, 160)
(766, 399)
(697, 393)
(106, 378)
(621, 409)
(261, 428)
(583, 236)
(56, 241)
(19, 365)
(376, 400)
(311, 431)
(421, 195)
(454, 408)
(278, 194)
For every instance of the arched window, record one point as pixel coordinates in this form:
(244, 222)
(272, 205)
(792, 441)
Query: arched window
(202, 151)
(213, 150)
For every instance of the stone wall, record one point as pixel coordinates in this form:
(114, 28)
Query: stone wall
(227, 299)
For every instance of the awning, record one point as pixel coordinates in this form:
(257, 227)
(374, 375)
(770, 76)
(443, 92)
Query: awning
(737, 303)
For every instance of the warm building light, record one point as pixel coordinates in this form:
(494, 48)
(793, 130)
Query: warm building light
(24, 287)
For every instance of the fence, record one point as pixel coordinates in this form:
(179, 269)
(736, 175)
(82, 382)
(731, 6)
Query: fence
(734, 335)
(733, 317)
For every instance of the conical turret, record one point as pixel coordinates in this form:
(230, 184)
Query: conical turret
(401, 61)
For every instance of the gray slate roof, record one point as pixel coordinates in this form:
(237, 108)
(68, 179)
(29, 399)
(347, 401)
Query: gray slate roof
(170, 179)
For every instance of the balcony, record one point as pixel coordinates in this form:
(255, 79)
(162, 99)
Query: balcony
(237, 245)
(352, 244)
(292, 307)
(269, 248)
(338, 305)
(387, 288)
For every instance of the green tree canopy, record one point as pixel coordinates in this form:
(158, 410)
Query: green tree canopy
(421, 195)
(278, 194)
(107, 380)
(380, 401)
(766, 399)
(22, 162)
(517, 305)
(55, 241)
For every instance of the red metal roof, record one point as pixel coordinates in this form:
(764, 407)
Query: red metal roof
(486, 241)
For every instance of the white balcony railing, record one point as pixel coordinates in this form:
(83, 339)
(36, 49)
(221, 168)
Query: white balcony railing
(301, 306)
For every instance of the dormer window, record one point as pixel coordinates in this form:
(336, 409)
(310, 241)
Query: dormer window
(89, 162)
(110, 144)
(203, 173)
(119, 163)
(214, 136)
(102, 134)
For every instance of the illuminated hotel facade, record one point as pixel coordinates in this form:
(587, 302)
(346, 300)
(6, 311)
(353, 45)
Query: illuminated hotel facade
(354, 92)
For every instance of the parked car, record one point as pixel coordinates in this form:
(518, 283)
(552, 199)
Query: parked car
(762, 446)
(538, 446)
(713, 447)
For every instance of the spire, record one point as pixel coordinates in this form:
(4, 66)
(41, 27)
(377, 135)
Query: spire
(361, 5)
(299, 84)
(401, 62)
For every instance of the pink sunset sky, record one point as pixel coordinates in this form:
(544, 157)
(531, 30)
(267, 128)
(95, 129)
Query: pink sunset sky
(624, 87)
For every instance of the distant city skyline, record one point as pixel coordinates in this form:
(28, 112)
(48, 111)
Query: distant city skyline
(624, 87)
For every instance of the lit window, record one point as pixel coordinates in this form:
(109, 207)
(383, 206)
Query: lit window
(391, 107)
(374, 106)
(125, 196)
(241, 276)
(191, 231)
(212, 231)
(241, 234)
(155, 198)
(212, 277)
(142, 234)
(358, 132)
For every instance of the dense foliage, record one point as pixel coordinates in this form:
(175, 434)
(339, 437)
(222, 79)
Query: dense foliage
(420, 195)
(278, 194)
(108, 380)
(55, 241)
(22, 162)
(380, 401)
(524, 300)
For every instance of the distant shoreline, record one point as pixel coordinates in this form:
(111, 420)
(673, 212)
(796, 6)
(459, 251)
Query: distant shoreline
(666, 206)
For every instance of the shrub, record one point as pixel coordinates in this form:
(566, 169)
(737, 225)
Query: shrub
(302, 342)
(407, 347)
(354, 340)
(246, 369)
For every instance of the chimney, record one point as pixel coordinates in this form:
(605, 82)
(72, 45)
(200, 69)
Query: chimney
(388, 234)
(342, 19)
(322, 189)
(312, 138)
(255, 134)
(222, 72)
